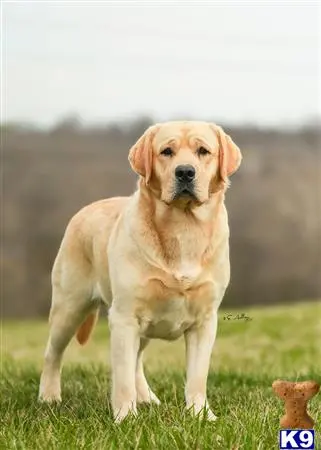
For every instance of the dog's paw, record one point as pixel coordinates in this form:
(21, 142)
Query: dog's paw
(147, 397)
(49, 397)
(205, 413)
(125, 411)
(201, 410)
(49, 389)
(210, 416)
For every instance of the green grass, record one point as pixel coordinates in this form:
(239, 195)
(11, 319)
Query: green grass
(278, 342)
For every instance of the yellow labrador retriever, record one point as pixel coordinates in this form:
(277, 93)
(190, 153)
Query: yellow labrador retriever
(159, 259)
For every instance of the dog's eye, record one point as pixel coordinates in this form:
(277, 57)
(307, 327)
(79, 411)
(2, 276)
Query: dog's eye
(167, 152)
(202, 151)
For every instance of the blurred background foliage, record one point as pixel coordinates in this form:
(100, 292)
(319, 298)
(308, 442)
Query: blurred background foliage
(274, 205)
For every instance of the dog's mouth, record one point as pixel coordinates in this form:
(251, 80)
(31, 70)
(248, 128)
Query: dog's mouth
(184, 192)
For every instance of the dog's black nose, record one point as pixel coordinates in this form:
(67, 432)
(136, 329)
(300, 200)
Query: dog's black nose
(185, 173)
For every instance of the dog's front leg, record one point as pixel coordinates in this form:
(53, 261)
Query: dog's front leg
(124, 341)
(199, 343)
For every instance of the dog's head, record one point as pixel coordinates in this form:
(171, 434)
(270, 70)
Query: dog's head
(185, 162)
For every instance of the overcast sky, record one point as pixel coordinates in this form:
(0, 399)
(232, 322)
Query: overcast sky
(233, 63)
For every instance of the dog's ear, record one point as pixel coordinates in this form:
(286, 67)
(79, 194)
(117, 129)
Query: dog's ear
(230, 156)
(141, 154)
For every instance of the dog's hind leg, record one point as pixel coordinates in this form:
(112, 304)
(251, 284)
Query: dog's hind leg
(68, 311)
(144, 392)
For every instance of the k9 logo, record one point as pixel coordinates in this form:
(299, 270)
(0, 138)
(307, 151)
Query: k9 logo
(297, 439)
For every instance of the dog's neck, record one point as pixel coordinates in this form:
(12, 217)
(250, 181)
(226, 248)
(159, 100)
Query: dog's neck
(175, 233)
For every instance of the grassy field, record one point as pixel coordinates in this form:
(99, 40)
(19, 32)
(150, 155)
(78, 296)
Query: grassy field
(279, 342)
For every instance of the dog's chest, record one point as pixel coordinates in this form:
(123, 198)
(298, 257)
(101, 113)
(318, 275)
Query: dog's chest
(172, 303)
(166, 319)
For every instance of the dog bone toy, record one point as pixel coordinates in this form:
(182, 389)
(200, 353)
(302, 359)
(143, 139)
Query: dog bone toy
(296, 396)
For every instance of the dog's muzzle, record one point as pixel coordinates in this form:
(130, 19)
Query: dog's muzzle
(184, 177)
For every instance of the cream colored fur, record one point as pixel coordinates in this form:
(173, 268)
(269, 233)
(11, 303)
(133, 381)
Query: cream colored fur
(160, 264)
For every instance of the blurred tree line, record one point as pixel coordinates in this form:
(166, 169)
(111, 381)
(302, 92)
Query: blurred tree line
(274, 206)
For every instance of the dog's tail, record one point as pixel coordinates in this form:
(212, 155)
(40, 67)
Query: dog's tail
(86, 327)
